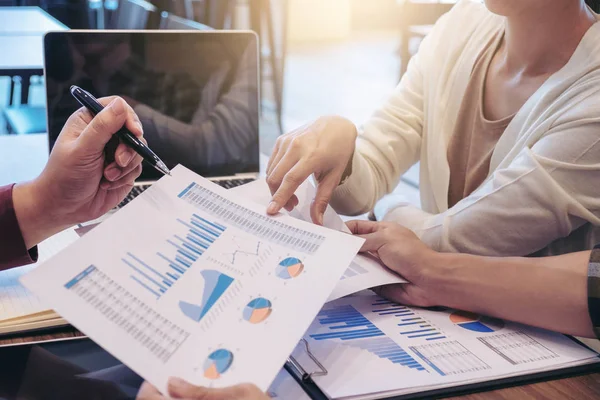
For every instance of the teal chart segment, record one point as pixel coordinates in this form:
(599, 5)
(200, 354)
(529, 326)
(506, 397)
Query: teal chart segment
(215, 285)
(217, 363)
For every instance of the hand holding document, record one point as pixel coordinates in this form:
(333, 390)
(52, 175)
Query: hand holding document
(189, 281)
(363, 273)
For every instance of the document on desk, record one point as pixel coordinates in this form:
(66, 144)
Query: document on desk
(190, 281)
(373, 348)
(15, 300)
(363, 273)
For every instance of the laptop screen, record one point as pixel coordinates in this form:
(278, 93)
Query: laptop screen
(195, 92)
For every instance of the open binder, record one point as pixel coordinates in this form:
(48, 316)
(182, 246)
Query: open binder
(305, 379)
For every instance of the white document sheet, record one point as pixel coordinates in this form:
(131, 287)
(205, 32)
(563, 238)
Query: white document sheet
(363, 273)
(374, 348)
(15, 300)
(190, 280)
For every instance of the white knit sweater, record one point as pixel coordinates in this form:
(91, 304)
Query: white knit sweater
(543, 189)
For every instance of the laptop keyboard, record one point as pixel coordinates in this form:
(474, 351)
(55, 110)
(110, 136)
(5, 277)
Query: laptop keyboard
(226, 183)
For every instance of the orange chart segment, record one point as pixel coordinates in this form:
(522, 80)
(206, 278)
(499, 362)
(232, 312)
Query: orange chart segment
(289, 268)
(475, 323)
(217, 363)
(463, 316)
(257, 310)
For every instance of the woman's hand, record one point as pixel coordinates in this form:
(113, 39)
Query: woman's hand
(401, 251)
(180, 389)
(85, 176)
(323, 148)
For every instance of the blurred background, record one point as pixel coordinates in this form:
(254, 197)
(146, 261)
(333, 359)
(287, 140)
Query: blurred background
(319, 57)
(329, 56)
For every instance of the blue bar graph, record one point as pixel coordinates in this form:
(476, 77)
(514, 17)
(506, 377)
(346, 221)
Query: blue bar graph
(410, 324)
(345, 323)
(159, 274)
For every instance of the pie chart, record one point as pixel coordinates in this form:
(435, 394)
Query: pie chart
(257, 310)
(289, 268)
(476, 323)
(217, 363)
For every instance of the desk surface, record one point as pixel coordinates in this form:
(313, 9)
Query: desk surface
(22, 21)
(23, 158)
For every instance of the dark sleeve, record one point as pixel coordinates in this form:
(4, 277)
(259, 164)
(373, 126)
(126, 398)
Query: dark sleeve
(594, 289)
(13, 252)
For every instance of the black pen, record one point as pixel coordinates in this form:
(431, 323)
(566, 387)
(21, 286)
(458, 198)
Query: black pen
(90, 102)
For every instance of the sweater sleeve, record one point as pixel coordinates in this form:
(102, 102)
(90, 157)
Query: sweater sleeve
(547, 192)
(389, 143)
(13, 252)
(387, 146)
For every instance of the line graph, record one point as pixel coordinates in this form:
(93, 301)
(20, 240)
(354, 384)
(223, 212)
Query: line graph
(243, 250)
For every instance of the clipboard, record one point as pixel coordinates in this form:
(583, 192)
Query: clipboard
(305, 378)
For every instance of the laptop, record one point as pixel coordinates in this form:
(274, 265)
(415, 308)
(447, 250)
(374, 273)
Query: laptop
(196, 94)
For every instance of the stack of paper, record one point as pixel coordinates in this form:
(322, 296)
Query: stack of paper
(21, 310)
(189, 281)
(201, 285)
(373, 348)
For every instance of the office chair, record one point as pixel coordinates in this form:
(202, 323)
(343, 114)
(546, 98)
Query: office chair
(24, 120)
(169, 21)
(132, 14)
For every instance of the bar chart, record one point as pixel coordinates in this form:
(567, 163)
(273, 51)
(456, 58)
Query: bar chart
(346, 324)
(157, 334)
(252, 222)
(157, 275)
(410, 324)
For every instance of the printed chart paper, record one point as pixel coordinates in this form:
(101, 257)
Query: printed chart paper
(189, 281)
(363, 273)
(374, 348)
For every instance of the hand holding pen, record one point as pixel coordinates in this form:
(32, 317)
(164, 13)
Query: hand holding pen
(90, 102)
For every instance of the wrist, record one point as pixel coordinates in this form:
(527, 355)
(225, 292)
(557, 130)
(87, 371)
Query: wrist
(35, 215)
(437, 274)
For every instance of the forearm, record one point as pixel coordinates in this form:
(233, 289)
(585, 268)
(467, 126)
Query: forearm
(549, 292)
